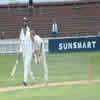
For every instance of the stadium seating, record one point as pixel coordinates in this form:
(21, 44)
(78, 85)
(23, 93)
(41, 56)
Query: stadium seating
(72, 20)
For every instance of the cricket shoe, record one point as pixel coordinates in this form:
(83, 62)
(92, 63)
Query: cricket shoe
(25, 84)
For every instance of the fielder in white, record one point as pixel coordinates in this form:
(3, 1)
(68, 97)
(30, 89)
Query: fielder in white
(39, 51)
(26, 48)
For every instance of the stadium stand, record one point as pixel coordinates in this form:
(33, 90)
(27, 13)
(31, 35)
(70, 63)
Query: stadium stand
(82, 18)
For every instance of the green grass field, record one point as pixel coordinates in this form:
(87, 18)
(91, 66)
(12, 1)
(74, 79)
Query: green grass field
(62, 67)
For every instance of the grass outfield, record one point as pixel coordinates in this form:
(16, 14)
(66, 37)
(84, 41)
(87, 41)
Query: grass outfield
(75, 92)
(62, 67)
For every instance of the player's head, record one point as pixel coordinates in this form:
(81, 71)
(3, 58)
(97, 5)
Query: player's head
(25, 21)
(33, 32)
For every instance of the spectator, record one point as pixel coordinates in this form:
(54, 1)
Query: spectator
(30, 5)
(54, 27)
(3, 35)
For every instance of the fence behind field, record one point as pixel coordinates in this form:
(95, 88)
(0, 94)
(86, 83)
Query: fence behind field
(74, 44)
(56, 45)
(10, 46)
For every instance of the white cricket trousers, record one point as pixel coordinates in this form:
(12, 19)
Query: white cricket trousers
(28, 68)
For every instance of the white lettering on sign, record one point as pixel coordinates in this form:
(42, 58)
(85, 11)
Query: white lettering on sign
(94, 43)
(77, 45)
